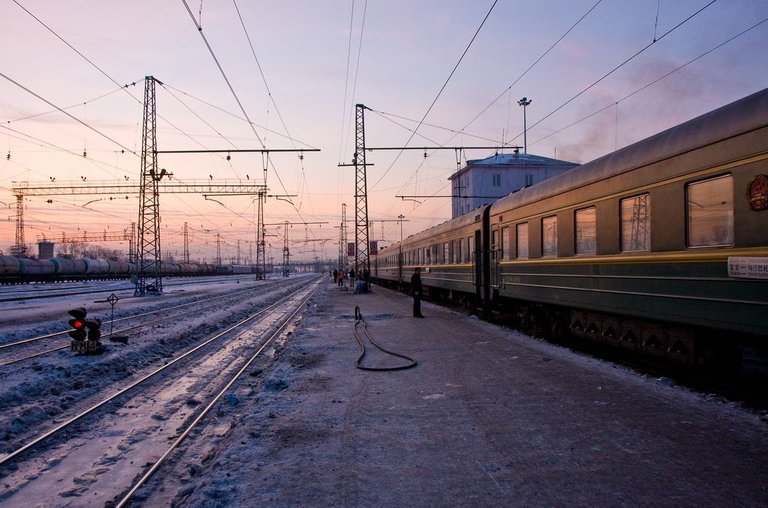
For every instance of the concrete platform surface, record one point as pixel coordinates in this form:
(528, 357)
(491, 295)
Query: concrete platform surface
(489, 417)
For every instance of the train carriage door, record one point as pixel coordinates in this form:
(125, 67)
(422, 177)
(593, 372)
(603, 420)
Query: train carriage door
(477, 258)
(495, 256)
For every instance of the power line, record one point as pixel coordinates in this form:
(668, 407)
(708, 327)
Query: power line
(648, 85)
(530, 67)
(438, 93)
(622, 64)
(60, 110)
(221, 70)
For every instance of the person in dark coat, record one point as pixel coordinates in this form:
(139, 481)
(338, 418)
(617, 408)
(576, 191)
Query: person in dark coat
(417, 289)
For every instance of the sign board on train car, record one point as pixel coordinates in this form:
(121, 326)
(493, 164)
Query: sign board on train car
(745, 267)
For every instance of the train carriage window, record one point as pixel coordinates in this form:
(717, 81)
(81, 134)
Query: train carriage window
(446, 253)
(636, 224)
(710, 212)
(505, 243)
(522, 240)
(495, 243)
(586, 231)
(470, 249)
(549, 236)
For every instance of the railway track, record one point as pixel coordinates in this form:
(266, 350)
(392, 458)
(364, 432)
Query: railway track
(57, 290)
(34, 347)
(116, 443)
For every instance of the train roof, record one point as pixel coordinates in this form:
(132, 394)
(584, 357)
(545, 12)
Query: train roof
(744, 115)
(457, 223)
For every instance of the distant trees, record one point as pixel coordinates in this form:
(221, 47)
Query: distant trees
(85, 250)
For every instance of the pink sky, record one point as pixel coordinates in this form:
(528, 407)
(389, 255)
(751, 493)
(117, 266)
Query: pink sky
(408, 51)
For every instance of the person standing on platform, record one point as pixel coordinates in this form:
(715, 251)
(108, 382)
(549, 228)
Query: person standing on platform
(417, 289)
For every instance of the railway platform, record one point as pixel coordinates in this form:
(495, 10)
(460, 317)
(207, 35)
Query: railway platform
(488, 417)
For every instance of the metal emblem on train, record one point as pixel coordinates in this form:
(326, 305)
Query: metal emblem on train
(758, 193)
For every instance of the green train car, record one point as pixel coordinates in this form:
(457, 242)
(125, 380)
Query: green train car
(660, 247)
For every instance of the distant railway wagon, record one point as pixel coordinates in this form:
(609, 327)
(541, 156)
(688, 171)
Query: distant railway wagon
(69, 266)
(96, 266)
(36, 267)
(9, 266)
(14, 270)
(660, 247)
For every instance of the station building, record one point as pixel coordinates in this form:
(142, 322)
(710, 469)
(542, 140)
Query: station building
(483, 181)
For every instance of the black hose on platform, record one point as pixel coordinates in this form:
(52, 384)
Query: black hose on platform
(359, 319)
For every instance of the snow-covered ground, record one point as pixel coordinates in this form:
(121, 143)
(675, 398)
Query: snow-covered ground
(39, 394)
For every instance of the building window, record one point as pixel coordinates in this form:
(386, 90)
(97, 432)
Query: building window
(586, 231)
(522, 240)
(497, 180)
(549, 236)
(528, 180)
(636, 223)
(710, 212)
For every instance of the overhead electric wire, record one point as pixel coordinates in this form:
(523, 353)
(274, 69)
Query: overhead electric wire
(530, 67)
(269, 92)
(60, 110)
(221, 70)
(346, 82)
(233, 115)
(429, 109)
(74, 49)
(648, 85)
(622, 64)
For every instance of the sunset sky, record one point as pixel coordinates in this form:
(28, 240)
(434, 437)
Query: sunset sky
(296, 68)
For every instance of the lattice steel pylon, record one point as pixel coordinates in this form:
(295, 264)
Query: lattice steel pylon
(148, 257)
(362, 258)
(20, 247)
(286, 253)
(343, 238)
(261, 261)
(186, 242)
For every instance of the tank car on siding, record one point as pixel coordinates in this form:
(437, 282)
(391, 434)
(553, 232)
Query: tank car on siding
(9, 267)
(96, 267)
(68, 268)
(36, 269)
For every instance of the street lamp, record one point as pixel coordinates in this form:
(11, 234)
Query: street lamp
(524, 102)
(400, 263)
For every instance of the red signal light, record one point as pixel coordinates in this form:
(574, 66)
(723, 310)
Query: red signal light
(78, 323)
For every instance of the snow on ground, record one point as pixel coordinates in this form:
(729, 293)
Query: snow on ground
(36, 394)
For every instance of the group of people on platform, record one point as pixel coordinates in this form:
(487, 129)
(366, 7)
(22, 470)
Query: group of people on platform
(338, 277)
(359, 284)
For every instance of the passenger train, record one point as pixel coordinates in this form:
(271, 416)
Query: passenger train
(660, 247)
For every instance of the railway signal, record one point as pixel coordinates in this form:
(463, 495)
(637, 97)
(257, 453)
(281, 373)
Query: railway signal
(78, 323)
(86, 333)
(94, 329)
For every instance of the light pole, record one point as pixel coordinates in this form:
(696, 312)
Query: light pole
(524, 102)
(400, 248)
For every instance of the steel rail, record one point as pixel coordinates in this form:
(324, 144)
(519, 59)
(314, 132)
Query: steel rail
(205, 299)
(36, 441)
(153, 469)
